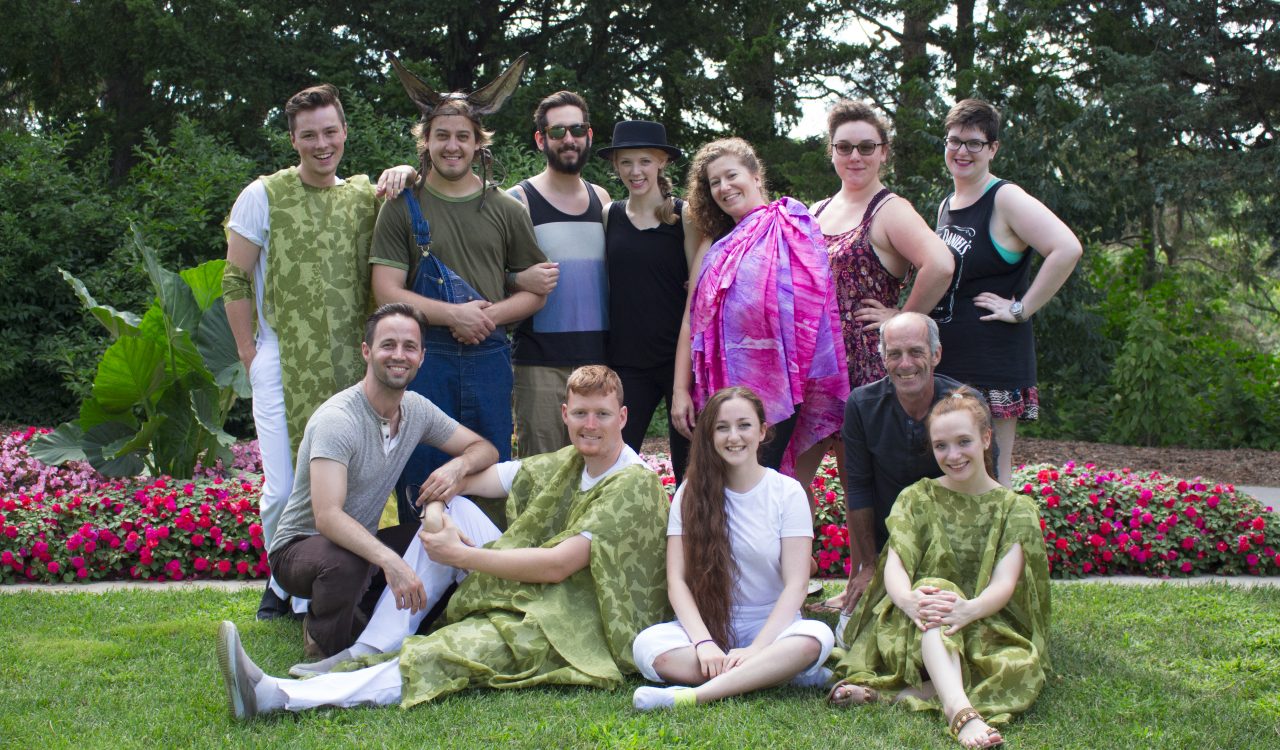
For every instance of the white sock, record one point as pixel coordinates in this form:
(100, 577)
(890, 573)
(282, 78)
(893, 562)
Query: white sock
(650, 698)
(268, 694)
(812, 678)
(359, 649)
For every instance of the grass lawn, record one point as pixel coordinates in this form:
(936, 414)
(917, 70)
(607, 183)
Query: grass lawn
(1135, 667)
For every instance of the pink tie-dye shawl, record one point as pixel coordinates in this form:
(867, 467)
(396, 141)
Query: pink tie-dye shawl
(764, 316)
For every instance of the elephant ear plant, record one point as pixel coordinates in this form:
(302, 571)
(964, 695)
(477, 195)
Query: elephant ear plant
(165, 384)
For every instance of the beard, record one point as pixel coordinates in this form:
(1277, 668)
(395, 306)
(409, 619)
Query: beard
(557, 164)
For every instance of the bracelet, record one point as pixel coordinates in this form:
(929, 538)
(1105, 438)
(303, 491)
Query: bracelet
(704, 640)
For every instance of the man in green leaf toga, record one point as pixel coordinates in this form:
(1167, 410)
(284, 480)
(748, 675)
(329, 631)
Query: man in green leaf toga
(298, 267)
(554, 600)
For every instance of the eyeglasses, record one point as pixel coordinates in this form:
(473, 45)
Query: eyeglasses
(972, 146)
(866, 148)
(556, 132)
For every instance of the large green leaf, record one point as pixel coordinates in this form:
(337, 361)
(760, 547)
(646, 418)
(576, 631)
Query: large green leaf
(130, 374)
(217, 442)
(186, 357)
(139, 442)
(117, 322)
(218, 347)
(58, 447)
(97, 438)
(179, 438)
(176, 298)
(92, 413)
(205, 281)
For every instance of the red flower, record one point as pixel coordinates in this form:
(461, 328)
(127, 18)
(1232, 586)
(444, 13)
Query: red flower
(223, 566)
(1061, 544)
(1259, 524)
(1185, 567)
(54, 567)
(197, 540)
(1188, 542)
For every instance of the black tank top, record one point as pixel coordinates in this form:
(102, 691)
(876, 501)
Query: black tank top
(647, 276)
(984, 354)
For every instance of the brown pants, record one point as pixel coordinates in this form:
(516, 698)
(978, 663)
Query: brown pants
(337, 581)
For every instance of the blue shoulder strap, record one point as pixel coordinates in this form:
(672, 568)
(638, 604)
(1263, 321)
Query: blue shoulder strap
(421, 229)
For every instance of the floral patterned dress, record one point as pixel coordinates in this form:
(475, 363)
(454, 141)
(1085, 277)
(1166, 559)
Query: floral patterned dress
(860, 275)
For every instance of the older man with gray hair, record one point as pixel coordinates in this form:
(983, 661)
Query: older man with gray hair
(885, 443)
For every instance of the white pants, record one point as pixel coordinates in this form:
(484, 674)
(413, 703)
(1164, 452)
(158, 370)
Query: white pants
(389, 626)
(273, 445)
(658, 639)
(379, 685)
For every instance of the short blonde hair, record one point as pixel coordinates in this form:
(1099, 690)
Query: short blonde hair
(593, 380)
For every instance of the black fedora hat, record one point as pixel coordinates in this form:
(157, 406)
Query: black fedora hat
(639, 134)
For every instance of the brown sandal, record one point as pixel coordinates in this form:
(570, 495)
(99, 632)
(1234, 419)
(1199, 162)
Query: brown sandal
(869, 695)
(966, 715)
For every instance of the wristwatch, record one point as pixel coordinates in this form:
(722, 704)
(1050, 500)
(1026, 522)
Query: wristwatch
(1016, 311)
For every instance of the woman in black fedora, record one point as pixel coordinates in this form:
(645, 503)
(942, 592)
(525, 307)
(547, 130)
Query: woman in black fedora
(649, 246)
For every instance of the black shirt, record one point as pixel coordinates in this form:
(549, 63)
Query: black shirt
(647, 277)
(885, 449)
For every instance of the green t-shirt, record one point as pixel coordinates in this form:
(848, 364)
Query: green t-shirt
(480, 243)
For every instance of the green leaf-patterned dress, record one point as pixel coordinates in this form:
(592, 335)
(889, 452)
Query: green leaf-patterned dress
(954, 541)
(507, 634)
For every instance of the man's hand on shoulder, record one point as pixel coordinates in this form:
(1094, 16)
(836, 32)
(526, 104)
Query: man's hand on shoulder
(393, 181)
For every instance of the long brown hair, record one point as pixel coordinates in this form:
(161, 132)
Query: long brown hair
(710, 219)
(965, 398)
(709, 567)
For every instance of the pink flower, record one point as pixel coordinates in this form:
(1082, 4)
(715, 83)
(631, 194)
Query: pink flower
(1061, 544)
(200, 563)
(242, 567)
(1252, 559)
(1212, 502)
(197, 540)
(1188, 542)
(1185, 567)
(54, 567)
(77, 562)
(82, 573)
(223, 566)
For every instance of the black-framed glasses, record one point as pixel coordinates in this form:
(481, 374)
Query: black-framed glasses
(973, 145)
(556, 132)
(866, 148)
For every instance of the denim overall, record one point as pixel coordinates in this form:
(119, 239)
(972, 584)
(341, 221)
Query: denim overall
(469, 382)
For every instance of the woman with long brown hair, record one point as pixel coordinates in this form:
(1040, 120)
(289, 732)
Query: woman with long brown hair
(738, 542)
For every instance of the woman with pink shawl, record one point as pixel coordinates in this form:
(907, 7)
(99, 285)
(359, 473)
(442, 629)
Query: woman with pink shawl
(762, 308)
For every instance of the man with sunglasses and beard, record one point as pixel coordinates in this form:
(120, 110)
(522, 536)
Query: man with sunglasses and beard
(570, 330)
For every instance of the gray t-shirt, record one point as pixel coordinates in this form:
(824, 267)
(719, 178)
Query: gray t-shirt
(346, 429)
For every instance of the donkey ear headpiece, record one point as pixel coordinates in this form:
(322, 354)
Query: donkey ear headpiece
(482, 102)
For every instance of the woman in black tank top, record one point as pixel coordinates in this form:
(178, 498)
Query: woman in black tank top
(990, 226)
(648, 249)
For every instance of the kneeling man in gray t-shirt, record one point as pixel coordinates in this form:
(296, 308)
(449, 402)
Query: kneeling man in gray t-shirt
(327, 545)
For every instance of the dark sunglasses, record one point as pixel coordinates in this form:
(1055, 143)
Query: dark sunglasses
(556, 132)
(866, 148)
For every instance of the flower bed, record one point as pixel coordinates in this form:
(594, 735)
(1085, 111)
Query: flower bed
(65, 524)
(1100, 522)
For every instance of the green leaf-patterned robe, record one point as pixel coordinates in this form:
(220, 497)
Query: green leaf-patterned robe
(507, 634)
(316, 292)
(954, 541)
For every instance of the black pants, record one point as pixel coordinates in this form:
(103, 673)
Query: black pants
(642, 391)
(771, 452)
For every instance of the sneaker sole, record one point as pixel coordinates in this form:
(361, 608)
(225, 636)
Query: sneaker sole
(228, 639)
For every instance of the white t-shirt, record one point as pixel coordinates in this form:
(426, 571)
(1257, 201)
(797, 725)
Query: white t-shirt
(507, 471)
(251, 219)
(758, 521)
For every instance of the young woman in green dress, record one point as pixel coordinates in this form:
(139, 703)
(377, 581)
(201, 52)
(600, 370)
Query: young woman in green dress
(956, 618)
